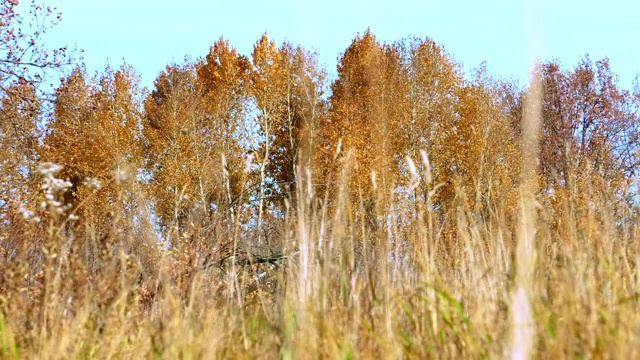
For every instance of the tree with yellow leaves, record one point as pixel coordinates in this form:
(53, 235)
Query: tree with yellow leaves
(193, 127)
(95, 136)
(360, 122)
(286, 90)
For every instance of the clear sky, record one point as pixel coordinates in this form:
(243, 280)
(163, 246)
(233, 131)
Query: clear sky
(151, 34)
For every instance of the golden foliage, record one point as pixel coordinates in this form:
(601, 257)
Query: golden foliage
(95, 136)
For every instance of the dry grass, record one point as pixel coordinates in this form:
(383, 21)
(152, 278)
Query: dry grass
(411, 282)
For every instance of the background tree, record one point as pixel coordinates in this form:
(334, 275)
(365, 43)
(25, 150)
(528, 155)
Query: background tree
(433, 88)
(590, 136)
(301, 106)
(106, 115)
(193, 127)
(358, 120)
(19, 114)
(24, 58)
(286, 86)
(223, 78)
(177, 146)
(479, 151)
(267, 90)
(588, 120)
(25, 63)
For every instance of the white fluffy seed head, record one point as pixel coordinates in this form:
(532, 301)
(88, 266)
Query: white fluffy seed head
(93, 183)
(48, 169)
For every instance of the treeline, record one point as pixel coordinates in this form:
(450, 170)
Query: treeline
(230, 139)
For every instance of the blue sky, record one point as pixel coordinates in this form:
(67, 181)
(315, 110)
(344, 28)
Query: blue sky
(151, 34)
